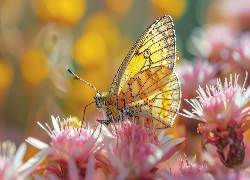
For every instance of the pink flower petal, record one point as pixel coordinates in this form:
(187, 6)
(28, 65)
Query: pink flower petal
(19, 154)
(161, 135)
(90, 168)
(166, 139)
(226, 150)
(73, 171)
(36, 159)
(37, 143)
(172, 149)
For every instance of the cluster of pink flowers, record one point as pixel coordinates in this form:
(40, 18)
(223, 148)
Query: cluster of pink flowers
(83, 153)
(131, 151)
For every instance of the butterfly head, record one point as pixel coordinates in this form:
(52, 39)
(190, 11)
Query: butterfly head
(100, 101)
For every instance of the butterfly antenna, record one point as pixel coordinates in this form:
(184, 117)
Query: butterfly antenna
(85, 109)
(84, 115)
(78, 78)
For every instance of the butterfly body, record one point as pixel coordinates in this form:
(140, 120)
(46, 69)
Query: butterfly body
(107, 107)
(146, 88)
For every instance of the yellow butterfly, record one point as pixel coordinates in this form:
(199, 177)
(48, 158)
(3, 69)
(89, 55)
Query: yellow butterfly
(146, 88)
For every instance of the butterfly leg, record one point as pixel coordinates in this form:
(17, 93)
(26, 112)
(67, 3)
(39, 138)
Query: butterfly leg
(100, 130)
(121, 117)
(105, 122)
(109, 118)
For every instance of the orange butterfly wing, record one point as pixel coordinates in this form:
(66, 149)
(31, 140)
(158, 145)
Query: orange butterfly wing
(152, 97)
(146, 85)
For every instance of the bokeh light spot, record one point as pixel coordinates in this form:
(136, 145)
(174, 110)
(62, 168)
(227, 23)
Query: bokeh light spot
(90, 49)
(105, 25)
(66, 12)
(119, 6)
(6, 74)
(174, 8)
(34, 66)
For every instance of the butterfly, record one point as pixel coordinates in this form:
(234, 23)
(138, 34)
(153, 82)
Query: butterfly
(146, 88)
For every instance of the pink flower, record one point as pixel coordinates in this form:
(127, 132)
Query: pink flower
(186, 169)
(11, 165)
(213, 42)
(193, 74)
(200, 72)
(138, 151)
(223, 115)
(221, 105)
(239, 11)
(189, 168)
(71, 148)
(241, 52)
(130, 132)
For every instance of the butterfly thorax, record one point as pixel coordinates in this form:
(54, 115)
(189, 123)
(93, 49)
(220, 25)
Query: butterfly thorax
(106, 106)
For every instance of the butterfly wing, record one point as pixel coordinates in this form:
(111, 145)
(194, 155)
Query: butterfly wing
(152, 97)
(155, 47)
